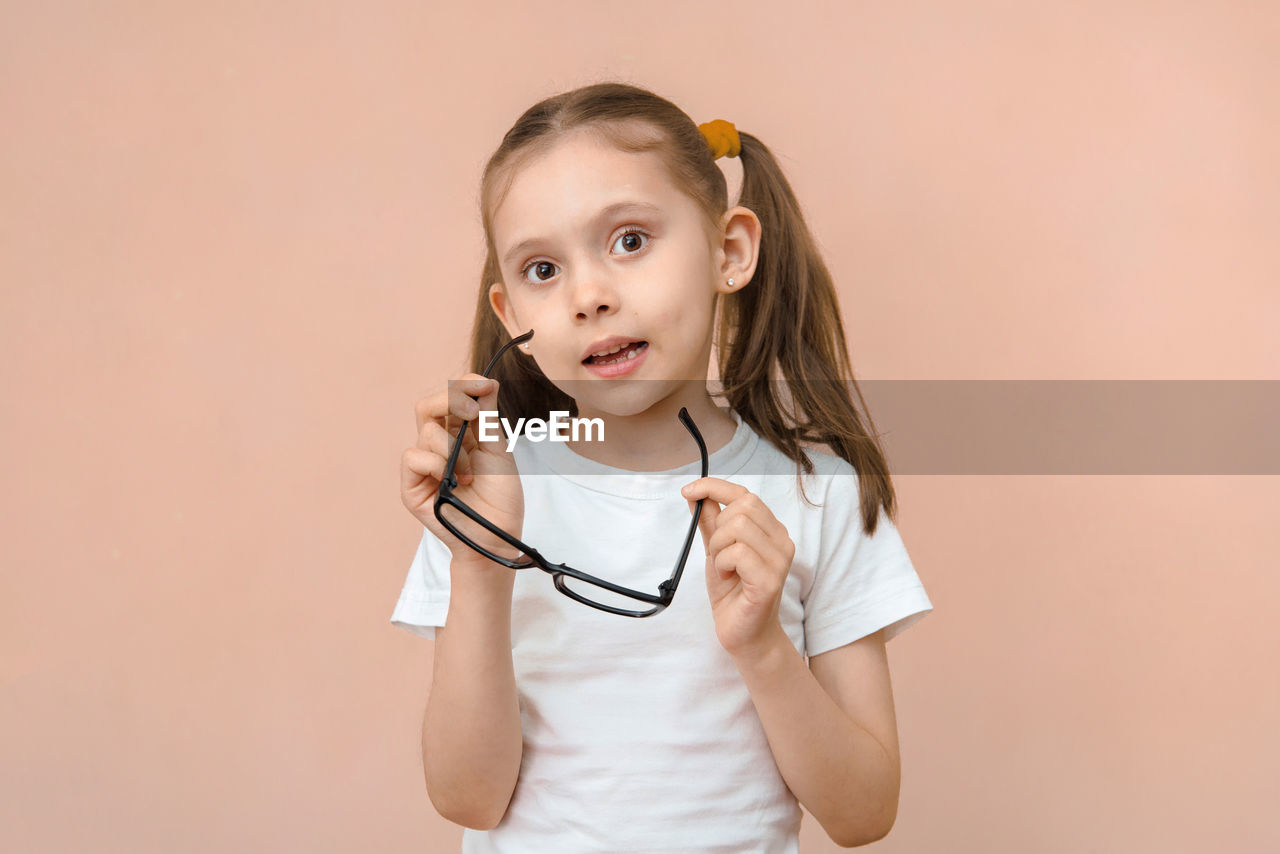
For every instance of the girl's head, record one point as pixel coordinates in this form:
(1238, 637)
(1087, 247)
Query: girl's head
(559, 262)
(594, 241)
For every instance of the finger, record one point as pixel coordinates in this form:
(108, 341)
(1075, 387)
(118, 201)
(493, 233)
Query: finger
(715, 488)
(437, 440)
(752, 507)
(726, 562)
(738, 500)
(488, 402)
(720, 540)
(741, 529)
(767, 566)
(464, 406)
(749, 566)
(717, 579)
(418, 465)
(436, 406)
(463, 396)
(706, 521)
(469, 440)
(433, 409)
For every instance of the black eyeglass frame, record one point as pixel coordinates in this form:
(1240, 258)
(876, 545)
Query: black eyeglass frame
(666, 590)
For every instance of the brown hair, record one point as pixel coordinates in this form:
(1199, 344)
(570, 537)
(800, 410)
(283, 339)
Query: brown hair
(786, 323)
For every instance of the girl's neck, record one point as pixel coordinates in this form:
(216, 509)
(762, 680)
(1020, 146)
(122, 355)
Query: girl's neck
(656, 439)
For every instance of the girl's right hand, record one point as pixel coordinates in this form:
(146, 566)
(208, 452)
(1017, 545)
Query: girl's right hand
(488, 480)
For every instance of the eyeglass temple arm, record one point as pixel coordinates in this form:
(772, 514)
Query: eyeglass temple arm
(457, 445)
(669, 586)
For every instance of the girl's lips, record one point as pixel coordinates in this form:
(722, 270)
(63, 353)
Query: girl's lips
(619, 368)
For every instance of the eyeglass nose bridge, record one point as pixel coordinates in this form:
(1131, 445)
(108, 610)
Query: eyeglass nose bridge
(660, 603)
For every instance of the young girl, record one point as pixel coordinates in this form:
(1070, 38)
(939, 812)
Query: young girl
(552, 726)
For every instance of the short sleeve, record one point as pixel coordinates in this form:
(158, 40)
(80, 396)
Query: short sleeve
(424, 599)
(861, 583)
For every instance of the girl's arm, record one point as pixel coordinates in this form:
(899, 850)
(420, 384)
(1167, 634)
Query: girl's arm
(832, 731)
(831, 726)
(471, 737)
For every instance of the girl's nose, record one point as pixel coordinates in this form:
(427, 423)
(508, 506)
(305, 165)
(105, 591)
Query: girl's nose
(594, 296)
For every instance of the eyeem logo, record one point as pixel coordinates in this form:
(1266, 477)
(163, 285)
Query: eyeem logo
(539, 430)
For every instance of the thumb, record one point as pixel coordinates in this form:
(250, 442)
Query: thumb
(718, 583)
(489, 400)
(706, 520)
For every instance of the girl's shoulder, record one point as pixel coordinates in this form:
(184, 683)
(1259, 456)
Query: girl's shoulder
(832, 474)
(772, 460)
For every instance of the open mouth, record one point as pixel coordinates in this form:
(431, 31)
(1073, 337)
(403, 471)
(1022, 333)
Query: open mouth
(628, 352)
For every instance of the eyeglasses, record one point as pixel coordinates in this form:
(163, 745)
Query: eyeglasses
(571, 582)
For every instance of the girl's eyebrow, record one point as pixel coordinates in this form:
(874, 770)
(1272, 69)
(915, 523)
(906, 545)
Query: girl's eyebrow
(605, 212)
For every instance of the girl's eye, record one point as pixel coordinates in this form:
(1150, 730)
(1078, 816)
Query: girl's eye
(632, 245)
(630, 240)
(537, 265)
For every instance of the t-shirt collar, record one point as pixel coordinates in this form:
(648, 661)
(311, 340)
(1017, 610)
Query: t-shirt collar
(723, 462)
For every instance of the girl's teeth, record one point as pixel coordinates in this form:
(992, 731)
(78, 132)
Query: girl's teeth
(604, 353)
(631, 355)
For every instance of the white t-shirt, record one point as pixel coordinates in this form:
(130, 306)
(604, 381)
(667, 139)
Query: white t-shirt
(639, 733)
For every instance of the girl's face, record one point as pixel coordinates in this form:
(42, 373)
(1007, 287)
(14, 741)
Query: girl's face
(595, 243)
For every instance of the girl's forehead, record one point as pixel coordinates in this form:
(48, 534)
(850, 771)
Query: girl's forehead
(583, 168)
(577, 192)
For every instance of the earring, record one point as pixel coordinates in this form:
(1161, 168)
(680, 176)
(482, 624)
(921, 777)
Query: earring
(731, 283)
(526, 346)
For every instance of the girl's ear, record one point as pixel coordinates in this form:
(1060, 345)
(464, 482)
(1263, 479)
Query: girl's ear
(502, 308)
(741, 249)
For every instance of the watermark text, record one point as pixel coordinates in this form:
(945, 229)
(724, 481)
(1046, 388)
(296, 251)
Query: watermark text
(539, 430)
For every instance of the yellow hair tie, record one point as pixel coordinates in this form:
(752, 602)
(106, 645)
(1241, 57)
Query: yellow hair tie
(722, 136)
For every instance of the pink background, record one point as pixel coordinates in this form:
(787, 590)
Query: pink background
(239, 240)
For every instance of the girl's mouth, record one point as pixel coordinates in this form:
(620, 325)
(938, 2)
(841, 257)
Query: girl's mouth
(616, 364)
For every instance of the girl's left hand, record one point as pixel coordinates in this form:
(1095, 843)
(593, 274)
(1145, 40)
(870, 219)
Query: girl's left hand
(748, 556)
